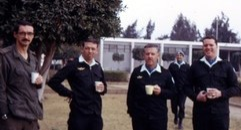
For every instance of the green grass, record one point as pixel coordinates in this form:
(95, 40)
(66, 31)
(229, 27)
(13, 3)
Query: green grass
(114, 114)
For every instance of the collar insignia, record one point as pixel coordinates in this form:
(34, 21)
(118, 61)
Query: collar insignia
(81, 68)
(139, 77)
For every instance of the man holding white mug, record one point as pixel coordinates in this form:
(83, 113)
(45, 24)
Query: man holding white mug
(211, 82)
(149, 88)
(20, 108)
(87, 83)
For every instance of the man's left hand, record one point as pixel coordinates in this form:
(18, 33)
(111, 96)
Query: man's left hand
(157, 90)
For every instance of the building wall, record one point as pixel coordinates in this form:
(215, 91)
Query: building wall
(125, 46)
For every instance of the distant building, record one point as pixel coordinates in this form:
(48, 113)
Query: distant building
(124, 46)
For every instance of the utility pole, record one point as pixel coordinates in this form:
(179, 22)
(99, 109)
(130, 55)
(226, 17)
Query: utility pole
(217, 21)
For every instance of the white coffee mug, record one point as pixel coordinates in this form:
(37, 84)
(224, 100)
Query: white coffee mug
(149, 89)
(97, 83)
(34, 76)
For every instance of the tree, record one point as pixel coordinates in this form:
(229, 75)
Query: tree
(220, 29)
(163, 37)
(197, 54)
(149, 29)
(117, 57)
(62, 22)
(138, 53)
(236, 61)
(168, 57)
(184, 30)
(131, 31)
(59, 22)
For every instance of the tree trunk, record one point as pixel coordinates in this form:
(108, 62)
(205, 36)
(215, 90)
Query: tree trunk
(48, 58)
(41, 90)
(45, 67)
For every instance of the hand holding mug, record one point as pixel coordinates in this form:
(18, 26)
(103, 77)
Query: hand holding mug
(99, 86)
(213, 93)
(157, 90)
(36, 78)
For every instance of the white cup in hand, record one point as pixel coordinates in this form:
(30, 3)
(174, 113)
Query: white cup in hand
(210, 93)
(34, 76)
(149, 89)
(98, 86)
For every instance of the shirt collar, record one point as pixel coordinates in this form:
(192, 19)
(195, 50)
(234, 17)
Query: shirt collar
(157, 69)
(175, 62)
(93, 62)
(207, 63)
(179, 65)
(18, 55)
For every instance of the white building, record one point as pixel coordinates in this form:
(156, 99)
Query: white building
(109, 46)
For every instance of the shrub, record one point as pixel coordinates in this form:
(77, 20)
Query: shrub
(116, 75)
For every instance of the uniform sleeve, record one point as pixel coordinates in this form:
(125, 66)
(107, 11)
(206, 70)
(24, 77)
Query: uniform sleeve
(130, 93)
(188, 85)
(56, 81)
(104, 82)
(3, 87)
(233, 88)
(170, 67)
(170, 90)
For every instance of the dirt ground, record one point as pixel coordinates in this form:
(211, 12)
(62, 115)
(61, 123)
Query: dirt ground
(114, 112)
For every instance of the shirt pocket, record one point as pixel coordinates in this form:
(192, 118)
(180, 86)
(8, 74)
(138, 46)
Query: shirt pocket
(17, 76)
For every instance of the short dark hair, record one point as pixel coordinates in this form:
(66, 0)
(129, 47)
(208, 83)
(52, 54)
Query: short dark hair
(210, 37)
(21, 23)
(150, 45)
(90, 39)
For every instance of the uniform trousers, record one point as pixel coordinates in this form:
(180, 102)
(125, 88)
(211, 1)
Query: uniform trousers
(149, 124)
(79, 121)
(211, 121)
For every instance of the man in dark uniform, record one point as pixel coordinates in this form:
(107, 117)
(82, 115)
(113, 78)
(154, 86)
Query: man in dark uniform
(179, 70)
(20, 108)
(87, 83)
(149, 112)
(211, 82)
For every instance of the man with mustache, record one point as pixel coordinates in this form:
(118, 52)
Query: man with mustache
(148, 111)
(20, 108)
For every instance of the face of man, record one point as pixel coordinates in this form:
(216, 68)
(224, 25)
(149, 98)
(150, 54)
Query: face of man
(151, 56)
(179, 57)
(89, 50)
(210, 48)
(24, 36)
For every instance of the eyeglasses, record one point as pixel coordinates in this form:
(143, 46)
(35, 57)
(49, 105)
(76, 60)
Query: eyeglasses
(22, 34)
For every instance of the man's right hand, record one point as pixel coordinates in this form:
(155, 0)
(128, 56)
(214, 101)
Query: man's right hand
(202, 96)
(4, 117)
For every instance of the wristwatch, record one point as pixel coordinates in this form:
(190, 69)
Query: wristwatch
(4, 117)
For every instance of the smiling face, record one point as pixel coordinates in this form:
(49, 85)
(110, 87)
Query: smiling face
(210, 48)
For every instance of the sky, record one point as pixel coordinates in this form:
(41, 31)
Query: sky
(165, 13)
